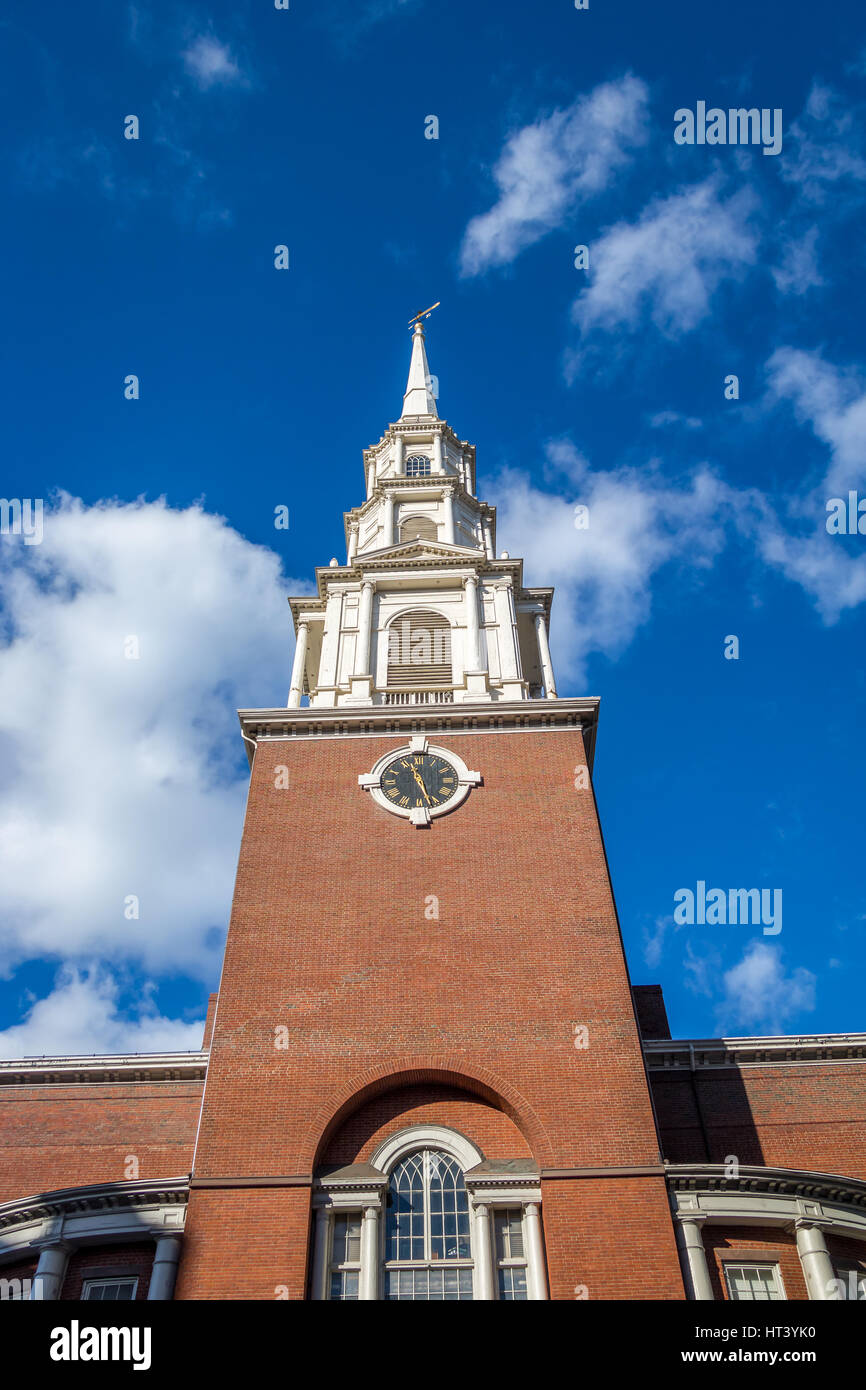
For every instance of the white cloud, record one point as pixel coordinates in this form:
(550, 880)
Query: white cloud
(673, 417)
(123, 777)
(825, 146)
(798, 270)
(211, 63)
(81, 1016)
(669, 263)
(759, 997)
(638, 522)
(548, 168)
(832, 401)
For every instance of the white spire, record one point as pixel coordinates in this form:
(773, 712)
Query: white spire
(419, 399)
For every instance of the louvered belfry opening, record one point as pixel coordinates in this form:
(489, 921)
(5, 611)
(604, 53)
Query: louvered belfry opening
(419, 528)
(419, 651)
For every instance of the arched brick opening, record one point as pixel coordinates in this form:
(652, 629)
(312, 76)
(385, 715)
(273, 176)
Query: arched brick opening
(455, 1087)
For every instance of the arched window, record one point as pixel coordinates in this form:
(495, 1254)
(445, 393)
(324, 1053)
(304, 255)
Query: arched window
(418, 528)
(419, 651)
(418, 466)
(427, 1244)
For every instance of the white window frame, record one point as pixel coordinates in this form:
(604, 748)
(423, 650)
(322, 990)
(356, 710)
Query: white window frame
(772, 1265)
(88, 1284)
(510, 1261)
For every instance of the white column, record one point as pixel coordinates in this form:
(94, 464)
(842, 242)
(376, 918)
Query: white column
(388, 519)
(483, 1255)
(693, 1258)
(298, 665)
(544, 653)
(535, 1253)
(818, 1268)
(437, 452)
(353, 541)
(473, 644)
(487, 532)
(369, 1290)
(50, 1271)
(509, 652)
(398, 454)
(365, 622)
(448, 515)
(164, 1272)
(318, 1292)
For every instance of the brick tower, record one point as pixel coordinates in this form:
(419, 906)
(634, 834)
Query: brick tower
(426, 1079)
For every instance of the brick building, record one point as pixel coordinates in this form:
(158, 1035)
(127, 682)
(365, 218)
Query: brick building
(427, 1075)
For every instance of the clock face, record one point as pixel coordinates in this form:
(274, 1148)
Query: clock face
(418, 779)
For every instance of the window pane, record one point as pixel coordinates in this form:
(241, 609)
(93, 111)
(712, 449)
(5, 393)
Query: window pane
(512, 1283)
(347, 1239)
(753, 1283)
(508, 1226)
(344, 1285)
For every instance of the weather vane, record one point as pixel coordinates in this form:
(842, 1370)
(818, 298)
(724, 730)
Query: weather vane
(425, 313)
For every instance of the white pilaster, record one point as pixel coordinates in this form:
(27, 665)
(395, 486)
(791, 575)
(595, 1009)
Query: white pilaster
(298, 665)
(387, 519)
(693, 1258)
(164, 1272)
(535, 1253)
(473, 643)
(818, 1268)
(437, 452)
(484, 1291)
(353, 541)
(448, 515)
(544, 654)
(487, 532)
(50, 1272)
(365, 620)
(369, 1290)
(398, 454)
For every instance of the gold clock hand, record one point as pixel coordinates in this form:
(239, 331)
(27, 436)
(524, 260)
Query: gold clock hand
(416, 774)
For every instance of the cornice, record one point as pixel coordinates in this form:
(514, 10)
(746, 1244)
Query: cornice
(80, 1201)
(685, 1055)
(66, 1071)
(781, 1182)
(511, 716)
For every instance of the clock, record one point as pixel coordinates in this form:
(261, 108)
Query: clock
(419, 781)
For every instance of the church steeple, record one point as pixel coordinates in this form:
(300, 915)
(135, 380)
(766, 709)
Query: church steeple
(421, 569)
(418, 398)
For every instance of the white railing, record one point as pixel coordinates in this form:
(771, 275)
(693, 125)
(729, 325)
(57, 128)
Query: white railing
(418, 697)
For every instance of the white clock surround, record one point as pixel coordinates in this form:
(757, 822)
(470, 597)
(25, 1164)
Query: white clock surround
(419, 816)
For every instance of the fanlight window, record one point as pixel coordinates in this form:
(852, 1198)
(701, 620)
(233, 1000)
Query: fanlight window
(418, 466)
(419, 528)
(427, 1245)
(419, 650)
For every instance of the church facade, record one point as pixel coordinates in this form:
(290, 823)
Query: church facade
(427, 1074)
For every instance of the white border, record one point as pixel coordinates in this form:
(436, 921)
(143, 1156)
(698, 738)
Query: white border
(419, 816)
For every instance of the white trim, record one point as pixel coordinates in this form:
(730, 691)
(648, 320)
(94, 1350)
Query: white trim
(421, 815)
(398, 1146)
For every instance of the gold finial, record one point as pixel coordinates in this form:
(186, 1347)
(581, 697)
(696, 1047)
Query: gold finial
(425, 313)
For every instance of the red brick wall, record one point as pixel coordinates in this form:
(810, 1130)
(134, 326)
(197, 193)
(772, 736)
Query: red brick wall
(69, 1136)
(753, 1245)
(329, 940)
(779, 1116)
(246, 1243)
(109, 1261)
(611, 1238)
(489, 1129)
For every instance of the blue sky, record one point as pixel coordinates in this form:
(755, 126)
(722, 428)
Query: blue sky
(260, 387)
